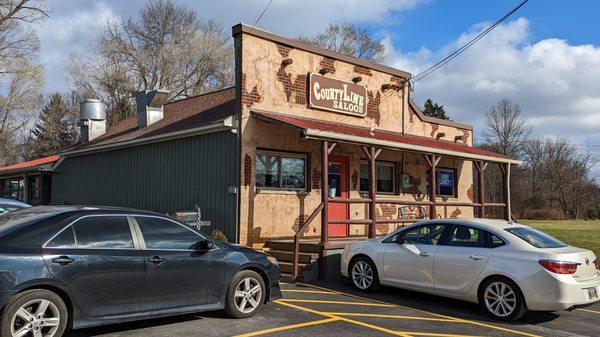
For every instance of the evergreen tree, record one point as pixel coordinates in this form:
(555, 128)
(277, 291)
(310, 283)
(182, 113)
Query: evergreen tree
(55, 129)
(434, 110)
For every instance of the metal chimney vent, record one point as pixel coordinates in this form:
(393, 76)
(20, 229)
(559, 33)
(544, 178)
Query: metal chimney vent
(149, 106)
(92, 109)
(92, 119)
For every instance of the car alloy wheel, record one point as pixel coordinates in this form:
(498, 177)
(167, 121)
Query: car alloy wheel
(38, 318)
(362, 275)
(248, 295)
(500, 299)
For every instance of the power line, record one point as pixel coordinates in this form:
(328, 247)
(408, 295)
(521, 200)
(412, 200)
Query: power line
(460, 50)
(260, 16)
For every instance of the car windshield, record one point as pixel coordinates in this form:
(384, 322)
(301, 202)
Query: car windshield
(24, 216)
(536, 238)
(4, 208)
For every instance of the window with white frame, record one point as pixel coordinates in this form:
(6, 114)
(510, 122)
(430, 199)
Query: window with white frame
(446, 182)
(385, 174)
(280, 171)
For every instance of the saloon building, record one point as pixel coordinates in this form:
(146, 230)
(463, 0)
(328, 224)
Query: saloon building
(310, 149)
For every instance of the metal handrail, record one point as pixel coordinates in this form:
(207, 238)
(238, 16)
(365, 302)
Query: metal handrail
(298, 235)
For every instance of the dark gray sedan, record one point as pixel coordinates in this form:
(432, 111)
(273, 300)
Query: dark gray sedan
(77, 267)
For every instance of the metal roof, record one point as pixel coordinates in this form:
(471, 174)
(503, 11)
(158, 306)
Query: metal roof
(312, 128)
(31, 165)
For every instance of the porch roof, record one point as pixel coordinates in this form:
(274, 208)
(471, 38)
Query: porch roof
(312, 128)
(29, 166)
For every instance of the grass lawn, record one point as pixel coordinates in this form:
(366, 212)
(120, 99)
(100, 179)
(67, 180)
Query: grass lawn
(580, 233)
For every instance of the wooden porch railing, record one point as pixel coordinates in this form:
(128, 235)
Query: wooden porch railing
(371, 153)
(302, 229)
(298, 236)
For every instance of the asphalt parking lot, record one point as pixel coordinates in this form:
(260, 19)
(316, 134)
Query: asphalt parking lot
(333, 308)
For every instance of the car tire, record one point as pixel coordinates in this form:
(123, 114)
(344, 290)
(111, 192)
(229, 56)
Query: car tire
(242, 299)
(363, 274)
(53, 318)
(502, 299)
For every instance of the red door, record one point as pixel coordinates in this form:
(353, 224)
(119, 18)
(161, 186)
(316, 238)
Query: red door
(338, 187)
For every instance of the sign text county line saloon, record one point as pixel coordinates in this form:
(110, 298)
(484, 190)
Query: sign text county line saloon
(336, 95)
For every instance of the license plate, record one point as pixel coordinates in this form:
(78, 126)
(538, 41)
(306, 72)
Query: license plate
(592, 293)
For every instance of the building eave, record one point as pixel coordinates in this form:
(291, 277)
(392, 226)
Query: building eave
(223, 125)
(438, 121)
(320, 134)
(21, 171)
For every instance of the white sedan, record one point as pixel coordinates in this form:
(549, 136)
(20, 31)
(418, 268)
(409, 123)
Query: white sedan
(506, 267)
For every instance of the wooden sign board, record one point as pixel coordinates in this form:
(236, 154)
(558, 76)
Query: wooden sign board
(335, 95)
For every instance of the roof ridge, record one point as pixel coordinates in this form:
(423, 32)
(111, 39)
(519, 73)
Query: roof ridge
(200, 95)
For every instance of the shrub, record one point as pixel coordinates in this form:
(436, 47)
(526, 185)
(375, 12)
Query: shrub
(219, 236)
(543, 214)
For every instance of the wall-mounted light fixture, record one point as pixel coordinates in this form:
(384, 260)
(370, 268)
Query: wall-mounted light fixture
(440, 135)
(389, 86)
(357, 79)
(287, 62)
(324, 71)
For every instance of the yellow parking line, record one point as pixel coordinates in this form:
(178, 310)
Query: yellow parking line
(340, 302)
(288, 327)
(309, 291)
(392, 316)
(433, 334)
(370, 326)
(588, 310)
(461, 320)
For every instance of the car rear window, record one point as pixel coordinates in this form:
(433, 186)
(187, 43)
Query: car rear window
(536, 238)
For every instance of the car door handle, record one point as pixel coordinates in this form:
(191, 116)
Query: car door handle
(476, 257)
(424, 254)
(63, 260)
(156, 260)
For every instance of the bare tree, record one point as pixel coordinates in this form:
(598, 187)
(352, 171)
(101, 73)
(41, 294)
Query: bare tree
(21, 74)
(507, 129)
(567, 173)
(167, 46)
(350, 39)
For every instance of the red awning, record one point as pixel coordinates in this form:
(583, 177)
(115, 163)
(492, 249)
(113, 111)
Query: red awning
(30, 164)
(313, 128)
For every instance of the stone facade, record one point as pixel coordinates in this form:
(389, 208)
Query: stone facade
(268, 84)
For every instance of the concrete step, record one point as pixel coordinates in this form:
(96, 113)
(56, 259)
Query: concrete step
(288, 256)
(287, 267)
(287, 278)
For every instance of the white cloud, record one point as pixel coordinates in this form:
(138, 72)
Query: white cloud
(67, 31)
(556, 84)
(75, 24)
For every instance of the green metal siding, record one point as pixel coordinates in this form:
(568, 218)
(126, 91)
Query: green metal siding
(167, 176)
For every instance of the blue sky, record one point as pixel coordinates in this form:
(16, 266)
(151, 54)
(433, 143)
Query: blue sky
(434, 23)
(546, 57)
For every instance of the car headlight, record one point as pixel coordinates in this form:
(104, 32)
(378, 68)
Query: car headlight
(272, 259)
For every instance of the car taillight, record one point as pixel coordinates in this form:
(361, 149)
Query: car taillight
(559, 267)
(597, 263)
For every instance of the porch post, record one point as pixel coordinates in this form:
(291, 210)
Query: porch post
(432, 161)
(481, 166)
(505, 168)
(372, 191)
(26, 188)
(324, 191)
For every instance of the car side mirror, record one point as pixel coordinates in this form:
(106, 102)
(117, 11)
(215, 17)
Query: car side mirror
(400, 240)
(205, 245)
